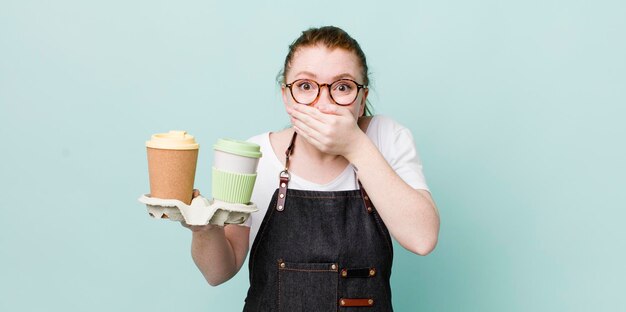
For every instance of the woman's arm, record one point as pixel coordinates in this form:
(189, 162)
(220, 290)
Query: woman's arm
(218, 251)
(410, 215)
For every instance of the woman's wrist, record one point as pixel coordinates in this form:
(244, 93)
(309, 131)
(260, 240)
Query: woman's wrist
(203, 230)
(360, 146)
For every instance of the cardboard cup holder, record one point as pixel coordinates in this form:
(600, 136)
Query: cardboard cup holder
(201, 211)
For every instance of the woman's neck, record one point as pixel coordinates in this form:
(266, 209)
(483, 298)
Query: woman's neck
(311, 164)
(311, 154)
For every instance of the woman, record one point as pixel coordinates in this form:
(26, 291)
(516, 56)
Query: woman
(331, 191)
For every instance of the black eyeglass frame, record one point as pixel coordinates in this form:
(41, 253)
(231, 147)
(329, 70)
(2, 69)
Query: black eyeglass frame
(319, 90)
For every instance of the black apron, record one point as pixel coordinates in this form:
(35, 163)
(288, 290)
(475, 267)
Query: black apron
(320, 251)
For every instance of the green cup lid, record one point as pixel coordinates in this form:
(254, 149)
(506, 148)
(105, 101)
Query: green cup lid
(236, 147)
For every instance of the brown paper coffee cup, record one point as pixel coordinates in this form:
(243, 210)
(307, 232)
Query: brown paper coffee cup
(172, 159)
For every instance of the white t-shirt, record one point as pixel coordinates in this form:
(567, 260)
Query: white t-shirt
(394, 141)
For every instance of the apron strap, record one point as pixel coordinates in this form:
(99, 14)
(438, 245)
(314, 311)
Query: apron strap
(282, 192)
(284, 176)
(366, 199)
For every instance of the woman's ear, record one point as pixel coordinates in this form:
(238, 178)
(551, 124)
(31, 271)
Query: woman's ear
(283, 90)
(363, 102)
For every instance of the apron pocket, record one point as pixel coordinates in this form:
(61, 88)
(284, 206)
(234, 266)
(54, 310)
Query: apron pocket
(307, 286)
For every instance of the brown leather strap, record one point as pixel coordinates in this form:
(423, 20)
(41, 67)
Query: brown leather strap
(282, 191)
(289, 150)
(356, 302)
(284, 176)
(366, 199)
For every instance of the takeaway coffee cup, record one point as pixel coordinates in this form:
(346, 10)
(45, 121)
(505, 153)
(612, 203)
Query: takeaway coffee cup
(172, 159)
(234, 170)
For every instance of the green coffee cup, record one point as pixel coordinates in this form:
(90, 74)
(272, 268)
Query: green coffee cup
(234, 170)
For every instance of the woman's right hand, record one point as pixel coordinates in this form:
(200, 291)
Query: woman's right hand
(198, 228)
(218, 251)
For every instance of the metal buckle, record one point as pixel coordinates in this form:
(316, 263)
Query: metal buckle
(285, 174)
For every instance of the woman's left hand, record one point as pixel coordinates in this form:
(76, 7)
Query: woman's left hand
(330, 128)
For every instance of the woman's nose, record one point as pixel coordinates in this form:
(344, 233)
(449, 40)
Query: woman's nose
(324, 96)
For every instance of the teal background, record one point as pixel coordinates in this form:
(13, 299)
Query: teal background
(517, 108)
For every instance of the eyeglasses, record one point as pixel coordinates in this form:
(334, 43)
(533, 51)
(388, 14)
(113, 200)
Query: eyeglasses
(343, 91)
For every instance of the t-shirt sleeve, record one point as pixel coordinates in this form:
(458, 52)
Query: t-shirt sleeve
(400, 151)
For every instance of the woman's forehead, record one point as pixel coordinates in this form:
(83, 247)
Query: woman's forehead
(323, 63)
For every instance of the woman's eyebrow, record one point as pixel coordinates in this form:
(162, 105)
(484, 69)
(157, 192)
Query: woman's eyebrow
(342, 76)
(314, 76)
(306, 73)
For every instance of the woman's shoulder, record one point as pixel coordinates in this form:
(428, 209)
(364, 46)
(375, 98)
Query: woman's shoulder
(260, 138)
(272, 143)
(279, 140)
(268, 136)
(384, 125)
